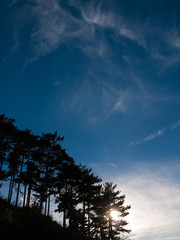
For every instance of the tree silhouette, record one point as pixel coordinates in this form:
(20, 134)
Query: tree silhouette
(108, 200)
(7, 133)
(65, 188)
(87, 189)
(38, 168)
(47, 153)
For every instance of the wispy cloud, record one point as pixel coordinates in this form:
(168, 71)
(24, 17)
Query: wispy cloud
(171, 40)
(175, 125)
(150, 137)
(55, 25)
(157, 134)
(52, 26)
(124, 102)
(167, 62)
(99, 99)
(113, 165)
(27, 62)
(174, 38)
(94, 14)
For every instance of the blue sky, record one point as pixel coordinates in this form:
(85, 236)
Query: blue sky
(105, 74)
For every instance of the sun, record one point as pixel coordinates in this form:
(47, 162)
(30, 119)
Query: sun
(115, 215)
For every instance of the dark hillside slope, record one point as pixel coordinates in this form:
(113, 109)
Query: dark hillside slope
(25, 224)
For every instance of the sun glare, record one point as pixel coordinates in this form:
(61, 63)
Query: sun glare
(114, 215)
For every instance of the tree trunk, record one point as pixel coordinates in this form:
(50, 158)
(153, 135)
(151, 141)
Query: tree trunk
(19, 183)
(2, 159)
(102, 234)
(88, 221)
(45, 210)
(29, 195)
(24, 198)
(83, 225)
(1, 165)
(110, 228)
(12, 186)
(49, 200)
(29, 188)
(17, 194)
(64, 215)
(64, 219)
(25, 187)
(41, 204)
(10, 183)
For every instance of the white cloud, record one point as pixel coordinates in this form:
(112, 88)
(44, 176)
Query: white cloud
(50, 28)
(175, 125)
(150, 137)
(166, 61)
(112, 165)
(132, 35)
(95, 48)
(159, 133)
(119, 106)
(123, 103)
(171, 40)
(27, 62)
(97, 99)
(95, 15)
(56, 25)
(155, 135)
(174, 38)
(155, 201)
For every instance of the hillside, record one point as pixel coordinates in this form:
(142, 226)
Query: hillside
(22, 223)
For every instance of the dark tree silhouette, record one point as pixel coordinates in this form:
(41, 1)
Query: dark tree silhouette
(38, 168)
(87, 189)
(47, 153)
(7, 133)
(110, 199)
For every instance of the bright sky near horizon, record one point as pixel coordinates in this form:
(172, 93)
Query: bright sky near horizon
(106, 76)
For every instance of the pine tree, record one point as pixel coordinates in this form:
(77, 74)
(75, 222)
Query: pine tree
(87, 190)
(7, 134)
(66, 192)
(47, 151)
(108, 200)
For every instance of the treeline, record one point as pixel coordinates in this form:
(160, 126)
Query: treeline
(38, 170)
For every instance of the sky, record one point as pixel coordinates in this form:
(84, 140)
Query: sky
(106, 76)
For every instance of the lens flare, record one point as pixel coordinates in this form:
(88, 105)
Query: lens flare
(114, 215)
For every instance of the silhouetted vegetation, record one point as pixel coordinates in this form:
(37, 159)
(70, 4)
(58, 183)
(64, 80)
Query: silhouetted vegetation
(28, 223)
(38, 170)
